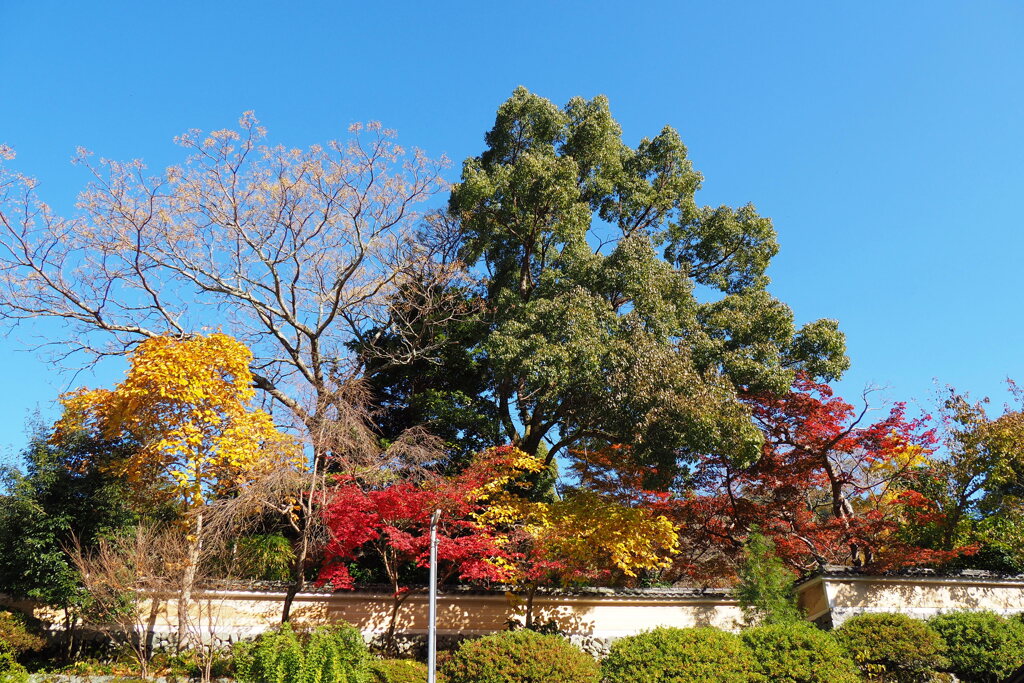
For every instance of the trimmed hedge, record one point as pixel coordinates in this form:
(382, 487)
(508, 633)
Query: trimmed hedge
(398, 671)
(895, 646)
(522, 656)
(799, 653)
(981, 646)
(674, 654)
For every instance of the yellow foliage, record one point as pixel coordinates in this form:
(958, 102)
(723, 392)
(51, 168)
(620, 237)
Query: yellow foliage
(590, 531)
(187, 404)
(584, 531)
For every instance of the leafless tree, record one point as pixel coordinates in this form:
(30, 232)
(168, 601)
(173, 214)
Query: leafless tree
(308, 256)
(126, 577)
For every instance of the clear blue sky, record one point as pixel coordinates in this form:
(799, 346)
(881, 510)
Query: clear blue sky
(886, 139)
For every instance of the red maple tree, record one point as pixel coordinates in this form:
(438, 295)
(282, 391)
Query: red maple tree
(829, 488)
(391, 525)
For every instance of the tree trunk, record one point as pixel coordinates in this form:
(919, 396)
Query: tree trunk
(188, 581)
(298, 581)
(154, 609)
(390, 646)
(530, 593)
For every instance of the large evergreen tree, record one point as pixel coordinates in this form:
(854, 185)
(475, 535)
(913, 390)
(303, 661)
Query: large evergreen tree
(615, 309)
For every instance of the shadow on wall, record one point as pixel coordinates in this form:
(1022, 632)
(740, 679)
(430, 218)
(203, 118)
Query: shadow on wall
(897, 596)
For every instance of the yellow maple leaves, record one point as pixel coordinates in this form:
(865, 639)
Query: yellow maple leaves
(186, 405)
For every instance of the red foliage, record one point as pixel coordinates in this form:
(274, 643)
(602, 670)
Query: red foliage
(827, 489)
(393, 522)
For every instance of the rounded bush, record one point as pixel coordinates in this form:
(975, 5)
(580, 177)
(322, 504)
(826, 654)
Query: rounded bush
(981, 646)
(677, 654)
(522, 656)
(15, 636)
(799, 653)
(398, 671)
(893, 646)
(330, 654)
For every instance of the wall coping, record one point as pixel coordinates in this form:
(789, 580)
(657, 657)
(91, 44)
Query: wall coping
(916, 575)
(583, 595)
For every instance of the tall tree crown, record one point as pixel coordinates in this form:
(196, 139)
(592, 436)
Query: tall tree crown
(619, 309)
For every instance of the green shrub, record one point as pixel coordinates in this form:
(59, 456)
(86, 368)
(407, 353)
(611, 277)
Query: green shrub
(520, 657)
(398, 671)
(678, 654)
(981, 646)
(767, 589)
(799, 653)
(893, 647)
(10, 670)
(330, 654)
(15, 636)
(189, 665)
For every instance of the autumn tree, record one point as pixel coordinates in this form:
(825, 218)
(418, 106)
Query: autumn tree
(830, 487)
(186, 404)
(581, 537)
(300, 254)
(617, 310)
(976, 482)
(389, 524)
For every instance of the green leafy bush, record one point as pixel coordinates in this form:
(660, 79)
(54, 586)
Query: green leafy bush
(398, 671)
(330, 654)
(15, 636)
(520, 657)
(10, 670)
(981, 646)
(799, 653)
(189, 665)
(893, 647)
(675, 654)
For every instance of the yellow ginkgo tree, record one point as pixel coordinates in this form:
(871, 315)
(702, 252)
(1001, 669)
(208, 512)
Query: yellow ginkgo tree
(186, 404)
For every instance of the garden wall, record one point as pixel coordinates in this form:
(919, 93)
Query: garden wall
(828, 598)
(833, 596)
(598, 614)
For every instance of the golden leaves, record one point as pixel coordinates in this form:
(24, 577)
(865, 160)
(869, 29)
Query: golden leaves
(186, 403)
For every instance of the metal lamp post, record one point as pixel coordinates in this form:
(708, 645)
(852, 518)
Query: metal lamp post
(432, 605)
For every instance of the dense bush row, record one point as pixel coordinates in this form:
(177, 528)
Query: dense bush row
(978, 647)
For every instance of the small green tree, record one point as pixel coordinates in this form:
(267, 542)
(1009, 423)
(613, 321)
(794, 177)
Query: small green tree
(63, 494)
(766, 590)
